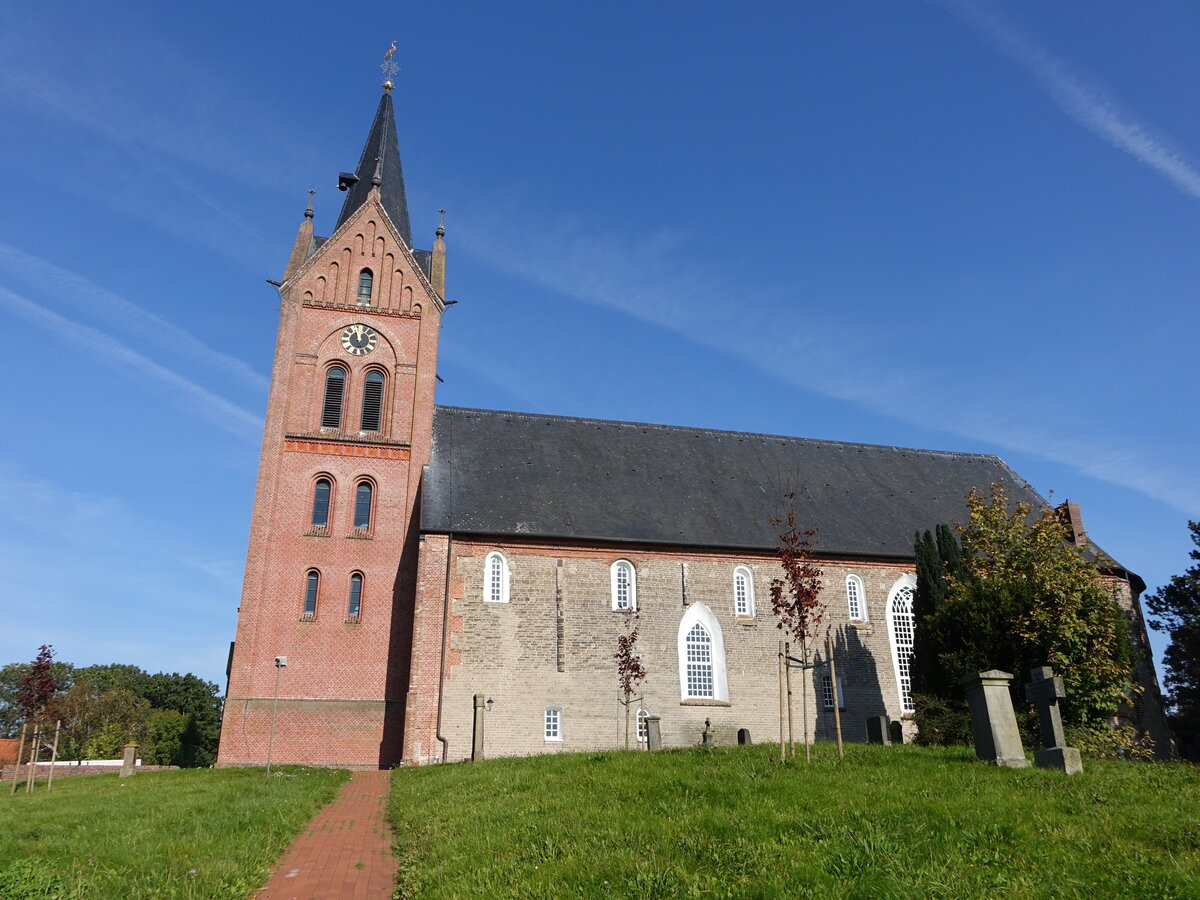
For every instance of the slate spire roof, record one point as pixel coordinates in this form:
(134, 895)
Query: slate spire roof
(381, 145)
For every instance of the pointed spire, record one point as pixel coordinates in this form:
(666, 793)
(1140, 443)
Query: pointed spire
(379, 166)
(437, 260)
(304, 238)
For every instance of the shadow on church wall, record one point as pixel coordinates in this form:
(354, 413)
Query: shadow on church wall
(856, 669)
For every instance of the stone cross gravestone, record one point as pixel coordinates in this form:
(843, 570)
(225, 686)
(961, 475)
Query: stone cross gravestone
(129, 762)
(706, 736)
(877, 730)
(993, 723)
(1045, 690)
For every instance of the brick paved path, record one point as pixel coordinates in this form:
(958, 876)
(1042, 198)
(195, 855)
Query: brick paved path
(345, 851)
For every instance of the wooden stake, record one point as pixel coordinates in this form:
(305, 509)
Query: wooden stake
(782, 663)
(54, 753)
(20, 754)
(33, 755)
(787, 664)
(804, 700)
(837, 704)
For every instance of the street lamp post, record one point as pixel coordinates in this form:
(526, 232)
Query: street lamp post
(280, 664)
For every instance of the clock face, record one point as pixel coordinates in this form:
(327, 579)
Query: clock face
(359, 340)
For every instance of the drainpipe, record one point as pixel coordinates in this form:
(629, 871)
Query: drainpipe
(442, 665)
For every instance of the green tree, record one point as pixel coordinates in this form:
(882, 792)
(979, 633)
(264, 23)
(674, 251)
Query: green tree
(1024, 595)
(1175, 609)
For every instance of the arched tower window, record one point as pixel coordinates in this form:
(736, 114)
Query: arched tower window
(743, 593)
(901, 629)
(495, 578)
(624, 585)
(312, 581)
(856, 598)
(335, 390)
(362, 505)
(320, 507)
(364, 287)
(354, 607)
(701, 656)
(372, 406)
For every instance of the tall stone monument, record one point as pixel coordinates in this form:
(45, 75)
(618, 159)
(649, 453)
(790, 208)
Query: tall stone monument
(993, 723)
(1045, 690)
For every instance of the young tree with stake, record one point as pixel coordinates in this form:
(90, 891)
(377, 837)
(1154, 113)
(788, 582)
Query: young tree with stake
(630, 670)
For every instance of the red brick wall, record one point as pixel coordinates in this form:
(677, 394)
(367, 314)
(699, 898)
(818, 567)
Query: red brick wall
(342, 693)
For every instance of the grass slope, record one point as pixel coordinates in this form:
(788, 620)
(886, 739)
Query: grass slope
(194, 833)
(885, 822)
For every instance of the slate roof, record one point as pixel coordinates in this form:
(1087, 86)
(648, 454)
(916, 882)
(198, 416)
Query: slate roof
(382, 144)
(517, 474)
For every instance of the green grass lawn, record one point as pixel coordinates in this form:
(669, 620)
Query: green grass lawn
(196, 833)
(885, 822)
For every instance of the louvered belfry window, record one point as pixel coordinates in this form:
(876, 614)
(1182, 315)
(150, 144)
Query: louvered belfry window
(372, 407)
(364, 288)
(362, 505)
(335, 389)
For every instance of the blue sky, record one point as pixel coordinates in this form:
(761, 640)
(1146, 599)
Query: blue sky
(961, 225)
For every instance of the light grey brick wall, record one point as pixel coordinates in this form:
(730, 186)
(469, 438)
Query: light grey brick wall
(552, 644)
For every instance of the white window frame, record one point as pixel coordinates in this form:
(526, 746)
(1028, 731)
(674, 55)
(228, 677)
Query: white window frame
(552, 721)
(495, 558)
(827, 691)
(642, 725)
(631, 599)
(901, 595)
(744, 573)
(856, 595)
(699, 613)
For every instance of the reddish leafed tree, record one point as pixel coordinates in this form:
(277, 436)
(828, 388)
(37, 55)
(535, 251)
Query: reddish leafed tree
(796, 597)
(38, 694)
(630, 670)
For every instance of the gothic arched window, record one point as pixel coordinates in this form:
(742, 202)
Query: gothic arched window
(901, 629)
(354, 607)
(495, 578)
(335, 390)
(701, 656)
(320, 507)
(311, 582)
(364, 287)
(362, 505)
(372, 405)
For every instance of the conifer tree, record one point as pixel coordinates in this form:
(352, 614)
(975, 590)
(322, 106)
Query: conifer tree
(1175, 609)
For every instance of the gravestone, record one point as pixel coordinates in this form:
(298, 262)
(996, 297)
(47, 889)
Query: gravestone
(877, 730)
(653, 733)
(993, 723)
(706, 736)
(744, 736)
(129, 762)
(477, 735)
(896, 732)
(1045, 690)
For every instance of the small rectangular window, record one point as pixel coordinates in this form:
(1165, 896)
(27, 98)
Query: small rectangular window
(827, 692)
(553, 723)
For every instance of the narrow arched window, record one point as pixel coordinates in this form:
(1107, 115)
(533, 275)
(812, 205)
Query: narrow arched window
(362, 505)
(901, 629)
(372, 407)
(856, 598)
(624, 586)
(743, 593)
(354, 608)
(495, 578)
(699, 662)
(311, 583)
(643, 725)
(335, 390)
(320, 507)
(364, 287)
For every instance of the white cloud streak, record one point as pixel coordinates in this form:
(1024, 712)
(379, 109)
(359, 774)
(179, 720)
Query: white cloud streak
(652, 281)
(83, 294)
(1087, 102)
(187, 394)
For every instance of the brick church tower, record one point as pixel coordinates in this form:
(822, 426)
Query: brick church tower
(333, 544)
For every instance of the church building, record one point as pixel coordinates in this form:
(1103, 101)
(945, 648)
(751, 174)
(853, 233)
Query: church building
(420, 574)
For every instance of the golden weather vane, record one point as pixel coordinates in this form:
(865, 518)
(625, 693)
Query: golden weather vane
(389, 68)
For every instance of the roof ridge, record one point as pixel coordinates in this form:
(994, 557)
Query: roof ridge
(723, 431)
